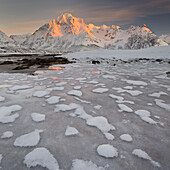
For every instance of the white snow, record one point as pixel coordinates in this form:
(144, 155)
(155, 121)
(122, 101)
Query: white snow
(82, 101)
(162, 104)
(5, 113)
(75, 93)
(131, 92)
(53, 100)
(6, 135)
(30, 139)
(142, 154)
(157, 94)
(126, 138)
(100, 90)
(107, 151)
(98, 107)
(61, 83)
(77, 87)
(1, 159)
(78, 164)
(41, 157)
(145, 116)
(15, 88)
(101, 123)
(40, 94)
(109, 136)
(135, 82)
(125, 108)
(71, 131)
(37, 117)
(2, 98)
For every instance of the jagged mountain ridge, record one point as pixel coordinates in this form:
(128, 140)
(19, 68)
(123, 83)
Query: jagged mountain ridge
(69, 33)
(166, 38)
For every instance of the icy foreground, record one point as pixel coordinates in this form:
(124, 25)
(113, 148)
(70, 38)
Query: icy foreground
(86, 117)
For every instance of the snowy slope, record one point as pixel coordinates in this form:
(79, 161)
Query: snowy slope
(165, 37)
(71, 33)
(20, 38)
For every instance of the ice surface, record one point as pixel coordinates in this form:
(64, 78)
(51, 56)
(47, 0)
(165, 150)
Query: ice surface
(126, 138)
(37, 117)
(100, 90)
(5, 113)
(78, 164)
(125, 108)
(41, 157)
(71, 131)
(53, 100)
(142, 154)
(2, 98)
(75, 93)
(6, 135)
(78, 111)
(30, 139)
(107, 151)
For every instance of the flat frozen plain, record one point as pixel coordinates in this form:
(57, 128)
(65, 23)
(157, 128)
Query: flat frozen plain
(97, 127)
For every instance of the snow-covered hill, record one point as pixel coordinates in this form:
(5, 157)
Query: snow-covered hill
(166, 38)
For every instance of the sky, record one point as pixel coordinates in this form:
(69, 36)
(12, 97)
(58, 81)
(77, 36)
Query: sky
(26, 16)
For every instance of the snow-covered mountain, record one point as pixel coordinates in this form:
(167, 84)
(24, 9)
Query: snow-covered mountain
(166, 38)
(71, 33)
(68, 33)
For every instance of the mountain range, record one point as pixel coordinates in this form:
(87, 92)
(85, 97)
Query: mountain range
(68, 33)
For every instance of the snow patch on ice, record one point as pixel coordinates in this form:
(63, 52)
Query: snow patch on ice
(126, 138)
(163, 105)
(15, 88)
(2, 98)
(41, 157)
(6, 135)
(107, 151)
(75, 93)
(131, 92)
(101, 123)
(125, 108)
(41, 93)
(145, 116)
(61, 83)
(30, 139)
(53, 100)
(78, 164)
(77, 87)
(82, 101)
(5, 113)
(100, 90)
(98, 107)
(142, 154)
(135, 82)
(157, 94)
(37, 117)
(71, 131)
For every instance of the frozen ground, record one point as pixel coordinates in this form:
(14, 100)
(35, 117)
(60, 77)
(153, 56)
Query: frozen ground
(86, 117)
